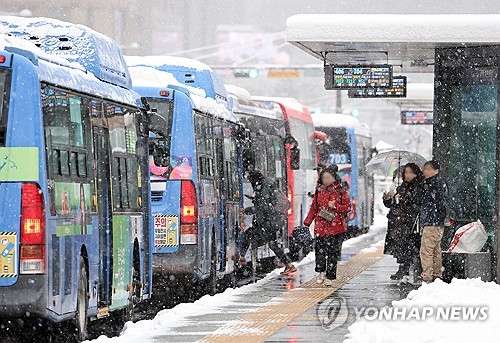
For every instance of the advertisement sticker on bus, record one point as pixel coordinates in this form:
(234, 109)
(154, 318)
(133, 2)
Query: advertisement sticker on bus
(8, 244)
(182, 167)
(72, 204)
(121, 260)
(166, 231)
(18, 164)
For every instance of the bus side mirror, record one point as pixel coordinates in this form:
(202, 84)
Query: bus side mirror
(295, 158)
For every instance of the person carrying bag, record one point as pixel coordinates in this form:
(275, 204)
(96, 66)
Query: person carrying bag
(328, 210)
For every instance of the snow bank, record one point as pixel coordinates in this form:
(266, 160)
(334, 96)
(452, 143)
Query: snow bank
(470, 292)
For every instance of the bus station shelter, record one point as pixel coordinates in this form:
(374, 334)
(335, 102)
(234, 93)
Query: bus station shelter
(463, 53)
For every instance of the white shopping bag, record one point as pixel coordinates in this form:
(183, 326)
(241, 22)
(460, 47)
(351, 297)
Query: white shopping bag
(469, 238)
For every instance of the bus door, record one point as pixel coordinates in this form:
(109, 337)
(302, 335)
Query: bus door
(232, 198)
(220, 236)
(103, 195)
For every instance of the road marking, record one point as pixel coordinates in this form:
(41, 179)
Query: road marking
(259, 325)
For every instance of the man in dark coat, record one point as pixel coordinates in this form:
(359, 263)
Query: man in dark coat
(267, 219)
(432, 216)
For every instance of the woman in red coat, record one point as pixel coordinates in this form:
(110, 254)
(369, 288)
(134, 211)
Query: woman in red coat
(330, 205)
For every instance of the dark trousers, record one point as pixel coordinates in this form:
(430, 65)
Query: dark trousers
(327, 250)
(252, 236)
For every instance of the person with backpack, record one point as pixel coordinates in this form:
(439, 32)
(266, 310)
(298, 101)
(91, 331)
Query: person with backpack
(330, 205)
(269, 217)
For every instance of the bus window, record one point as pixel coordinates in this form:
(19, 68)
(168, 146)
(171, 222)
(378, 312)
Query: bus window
(304, 134)
(66, 133)
(4, 100)
(124, 161)
(205, 146)
(160, 127)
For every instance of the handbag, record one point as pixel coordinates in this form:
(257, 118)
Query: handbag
(326, 215)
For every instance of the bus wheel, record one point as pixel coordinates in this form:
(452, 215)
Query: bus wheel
(82, 303)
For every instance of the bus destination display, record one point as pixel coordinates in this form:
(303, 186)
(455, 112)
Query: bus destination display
(345, 77)
(397, 90)
(417, 117)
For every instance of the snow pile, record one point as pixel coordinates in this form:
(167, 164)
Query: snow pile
(7, 42)
(158, 61)
(374, 247)
(460, 293)
(91, 50)
(412, 28)
(143, 76)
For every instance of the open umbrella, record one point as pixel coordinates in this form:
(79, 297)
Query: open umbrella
(386, 162)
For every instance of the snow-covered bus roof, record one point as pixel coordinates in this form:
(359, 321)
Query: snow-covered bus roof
(241, 102)
(60, 72)
(340, 120)
(144, 76)
(83, 47)
(159, 61)
(389, 38)
(187, 71)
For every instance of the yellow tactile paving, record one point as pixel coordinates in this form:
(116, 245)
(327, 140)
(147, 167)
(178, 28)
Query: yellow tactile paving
(261, 324)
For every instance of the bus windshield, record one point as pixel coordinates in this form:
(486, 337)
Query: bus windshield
(3, 104)
(338, 151)
(304, 134)
(160, 132)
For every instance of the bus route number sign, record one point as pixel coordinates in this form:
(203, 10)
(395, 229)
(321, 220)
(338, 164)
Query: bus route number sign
(347, 77)
(338, 158)
(398, 90)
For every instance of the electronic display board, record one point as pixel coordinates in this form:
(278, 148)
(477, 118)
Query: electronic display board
(346, 77)
(397, 90)
(417, 117)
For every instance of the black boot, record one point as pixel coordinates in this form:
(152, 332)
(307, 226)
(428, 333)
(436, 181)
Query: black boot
(400, 273)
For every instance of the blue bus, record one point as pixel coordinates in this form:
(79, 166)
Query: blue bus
(348, 144)
(196, 190)
(74, 190)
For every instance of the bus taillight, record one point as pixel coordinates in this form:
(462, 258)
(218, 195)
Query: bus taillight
(189, 213)
(32, 249)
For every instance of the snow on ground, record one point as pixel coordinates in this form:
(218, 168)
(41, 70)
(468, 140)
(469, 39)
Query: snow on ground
(167, 320)
(181, 315)
(378, 228)
(373, 247)
(469, 292)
